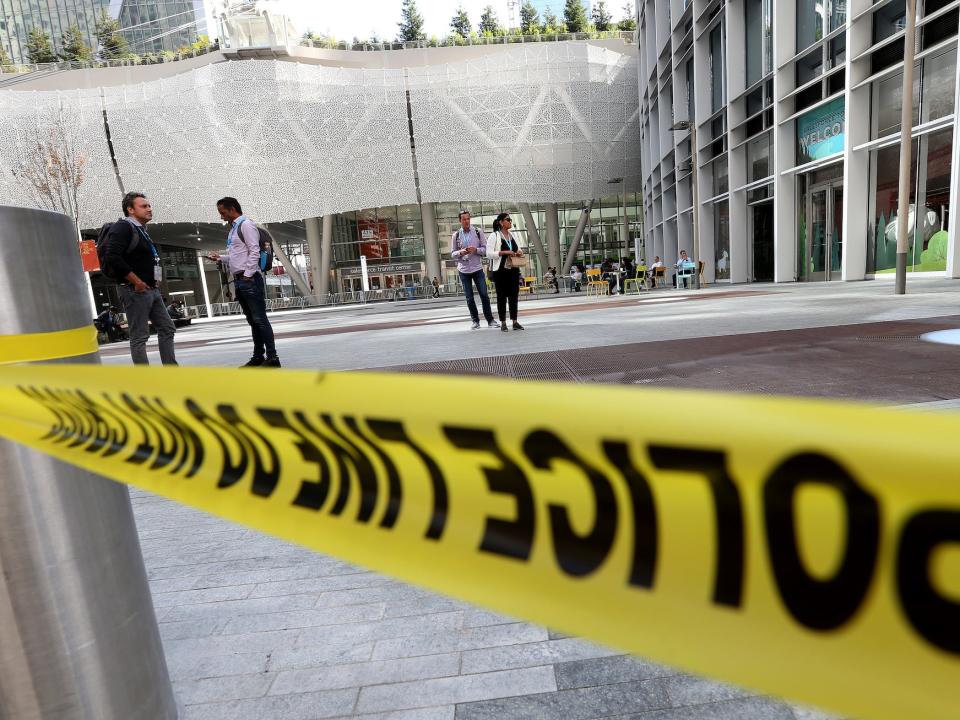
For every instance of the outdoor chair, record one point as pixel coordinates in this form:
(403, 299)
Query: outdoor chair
(639, 280)
(660, 276)
(596, 284)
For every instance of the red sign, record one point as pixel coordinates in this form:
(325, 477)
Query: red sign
(373, 239)
(88, 255)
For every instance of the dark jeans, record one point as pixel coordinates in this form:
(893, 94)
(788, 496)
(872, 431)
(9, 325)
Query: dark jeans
(252, 298)
(507, 283)
(142, 309)
(478, 278)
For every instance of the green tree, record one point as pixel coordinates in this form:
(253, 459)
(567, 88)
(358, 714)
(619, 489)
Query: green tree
(550, 22)
(39, 47)
(460, 24)
(489, 25)
(602, 19)
(529, 18)
(73, 45)
(4, 58)
(629, 22)
(575, 16)
(411, 23)
(113, 45)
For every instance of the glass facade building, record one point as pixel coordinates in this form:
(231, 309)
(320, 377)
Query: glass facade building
(797, 112)
(150, 26)
(19, 17)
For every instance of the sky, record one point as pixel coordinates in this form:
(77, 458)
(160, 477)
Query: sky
(344, 19)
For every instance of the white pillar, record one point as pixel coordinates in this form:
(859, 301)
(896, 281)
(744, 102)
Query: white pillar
(553, 234)
(206, 290)
(93, 300)
(534, 235)
(431, 240)
(325, 250)
(312, 226)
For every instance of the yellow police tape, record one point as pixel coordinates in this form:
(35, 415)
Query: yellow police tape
(808, 549)
(48, 346)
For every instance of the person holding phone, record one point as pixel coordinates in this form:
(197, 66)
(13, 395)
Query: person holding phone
(501, 249)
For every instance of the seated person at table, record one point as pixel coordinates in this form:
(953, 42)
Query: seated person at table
(627, 270)
(575, 277)
(684, 268)
(652, 272)
(609, 272)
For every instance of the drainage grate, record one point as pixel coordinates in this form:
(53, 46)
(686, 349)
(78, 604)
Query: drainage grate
(887, 338)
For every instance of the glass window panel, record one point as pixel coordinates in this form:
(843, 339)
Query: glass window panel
(939, 85)
(721, 240)
(754, 30)
(888, 100)
(758, 158)
(886, 197)
(933, 222)
(716, 68)
(810, 22)
(889, 20)
(939, 30)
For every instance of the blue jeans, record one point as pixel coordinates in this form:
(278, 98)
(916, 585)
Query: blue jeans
(251, 294)
(480, 279)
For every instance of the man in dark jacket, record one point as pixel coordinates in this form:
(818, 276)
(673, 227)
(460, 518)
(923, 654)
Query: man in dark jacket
(139, 274)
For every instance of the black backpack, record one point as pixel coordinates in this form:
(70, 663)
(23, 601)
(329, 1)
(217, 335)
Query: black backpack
(104, 233)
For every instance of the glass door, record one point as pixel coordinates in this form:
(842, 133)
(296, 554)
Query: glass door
(823, 257)
(816, 254)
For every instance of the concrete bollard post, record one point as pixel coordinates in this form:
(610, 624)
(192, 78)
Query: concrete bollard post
(78, 633)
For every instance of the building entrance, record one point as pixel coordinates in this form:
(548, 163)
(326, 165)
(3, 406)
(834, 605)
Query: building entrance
(822, 244)
(763, 242)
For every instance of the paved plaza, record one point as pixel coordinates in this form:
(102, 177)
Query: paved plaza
(257, 628)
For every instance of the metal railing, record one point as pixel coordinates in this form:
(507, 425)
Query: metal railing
(138, 60)
(628, 36)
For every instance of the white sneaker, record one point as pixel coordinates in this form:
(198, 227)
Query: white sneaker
(475, 325)
(493, 324)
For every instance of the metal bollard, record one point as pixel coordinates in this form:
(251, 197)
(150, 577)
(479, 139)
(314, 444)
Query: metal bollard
(78, 633)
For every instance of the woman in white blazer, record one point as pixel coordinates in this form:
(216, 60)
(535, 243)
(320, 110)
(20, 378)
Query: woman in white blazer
(501, 248)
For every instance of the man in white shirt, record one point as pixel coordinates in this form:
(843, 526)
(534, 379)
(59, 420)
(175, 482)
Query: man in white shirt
(243, 247)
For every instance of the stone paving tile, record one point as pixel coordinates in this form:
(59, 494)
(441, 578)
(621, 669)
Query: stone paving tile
(196, 597)
(446, 712)
(364, 674)
(752, 708)
(192, 628)
(197, 667)
(304, 582)
(478, 617)
(306, 706)
(173, 584)
(222, 689)
(234, 608)
(579, 704)
(493, 635)
(390, 592)
(393, 628)
(609, 670)
(320, 655)
(530, 655)
(462, 689)
(690, 690)
(422, 606)
(304, 618)
(431, 644)
(233, 644)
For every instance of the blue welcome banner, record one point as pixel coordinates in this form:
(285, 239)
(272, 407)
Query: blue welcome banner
(820, 131)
